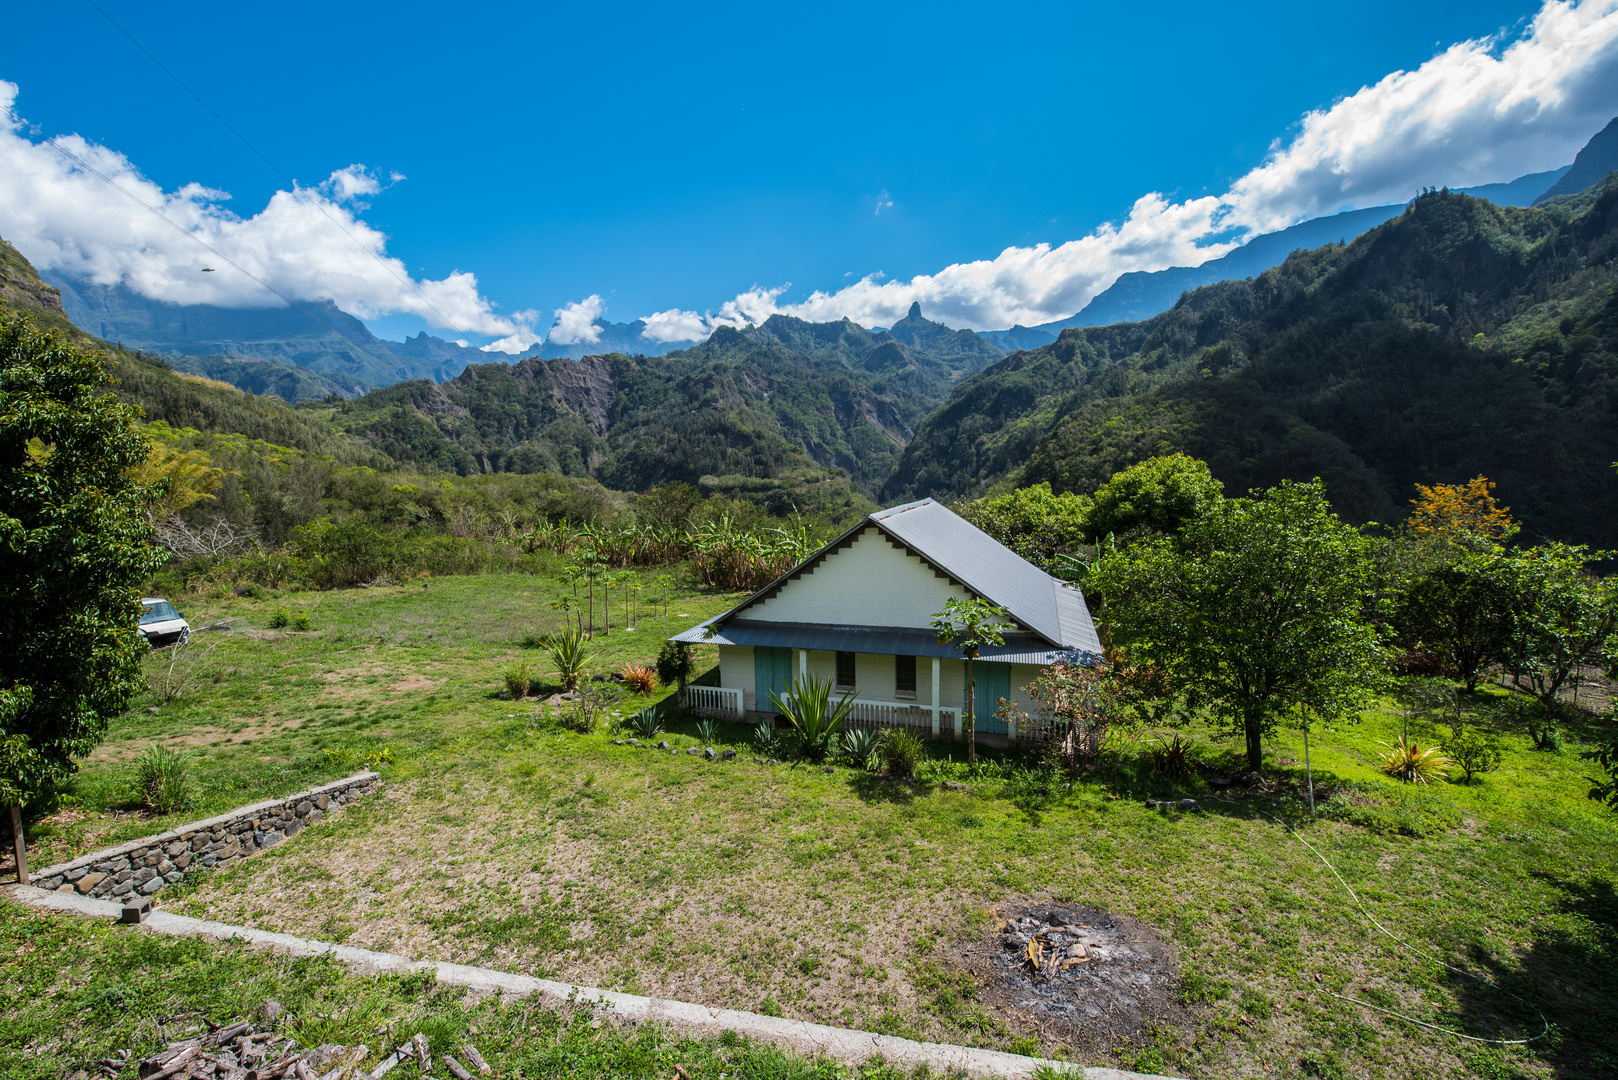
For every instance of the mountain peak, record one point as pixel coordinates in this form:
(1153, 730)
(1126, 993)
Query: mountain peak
(915, 310)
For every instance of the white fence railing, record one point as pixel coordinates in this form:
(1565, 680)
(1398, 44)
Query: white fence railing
(717, 701)
(881, 715)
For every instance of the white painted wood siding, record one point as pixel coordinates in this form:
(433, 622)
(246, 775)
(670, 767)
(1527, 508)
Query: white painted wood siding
(736, 672)
(868, 583)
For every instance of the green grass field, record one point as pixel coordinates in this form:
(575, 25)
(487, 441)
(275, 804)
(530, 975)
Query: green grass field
(512, 842)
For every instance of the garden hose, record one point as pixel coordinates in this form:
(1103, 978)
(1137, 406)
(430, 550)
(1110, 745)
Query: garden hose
(1395, 937)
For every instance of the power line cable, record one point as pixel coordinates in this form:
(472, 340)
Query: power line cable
(405, 281)
(182, 230)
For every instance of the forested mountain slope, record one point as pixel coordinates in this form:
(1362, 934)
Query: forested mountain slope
(787, 397)
(177, 398)
(1459, 338)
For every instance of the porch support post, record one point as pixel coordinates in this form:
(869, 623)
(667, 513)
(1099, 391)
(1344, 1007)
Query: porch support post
(803, 665)
(935, 697)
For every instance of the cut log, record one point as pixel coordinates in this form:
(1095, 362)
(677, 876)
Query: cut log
(456, 1068)
(476, 1059)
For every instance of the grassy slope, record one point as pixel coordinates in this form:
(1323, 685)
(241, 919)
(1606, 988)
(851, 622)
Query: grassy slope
(72, 990)
(842, 898)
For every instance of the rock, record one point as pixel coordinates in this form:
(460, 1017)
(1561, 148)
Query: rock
(123, 888)
(632, 742)
(74, 874)
(1151, 804)
(1219, 781)
(182, 860)
(164, 868)
(152, 709)
(709, 754)
(294, 827)
(314, 816)
(175, 848)
(323, 802)
(617, 742)
(323, 1056)
(1188, 804)
(954, 785)
(728, 755)
(1250, 779)
(64, 889)
(772, 761)
(304, 807)
(828, 769)
(1042, 791)
(662, 746)
(143, 876)
(271, 839)
(152, 886)
(210, 860)
(89, 881)
(271, 1011)
(1074, 951)
(201, 841)
(694, 751)
(1055, 919)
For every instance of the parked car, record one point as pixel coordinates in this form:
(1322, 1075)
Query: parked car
(161, 625)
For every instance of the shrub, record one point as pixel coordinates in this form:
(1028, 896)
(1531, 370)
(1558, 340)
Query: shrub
(1474, 754)
(300, 621)
(570, 656)
(162, 779)
(646, 723)
(639, 679)
(901, 753)
(518, 680)
(860, 746)
(707, 732)
(592, 700)
(1171, 758)
(1412, 762)
(808, 707)
(279, 619)
(675, 664)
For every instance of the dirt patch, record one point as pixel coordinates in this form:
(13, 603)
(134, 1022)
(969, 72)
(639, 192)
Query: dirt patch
(413, 682)
(1077, 975)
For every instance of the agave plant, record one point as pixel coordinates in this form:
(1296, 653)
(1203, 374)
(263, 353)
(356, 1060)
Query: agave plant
(1413, 762)
(810, 710)
(570, 656)
(900, 752)
(646, 723)
(764, 736)
(708, 732)
(860, 745)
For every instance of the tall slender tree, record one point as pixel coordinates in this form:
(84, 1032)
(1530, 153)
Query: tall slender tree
(970, 625)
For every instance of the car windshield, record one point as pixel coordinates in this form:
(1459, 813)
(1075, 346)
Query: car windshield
(162, 611)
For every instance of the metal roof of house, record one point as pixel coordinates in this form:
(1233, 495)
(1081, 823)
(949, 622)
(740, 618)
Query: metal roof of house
(884, 640)
(1052, 609)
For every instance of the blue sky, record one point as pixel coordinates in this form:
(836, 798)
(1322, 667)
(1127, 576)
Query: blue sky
(665, 158)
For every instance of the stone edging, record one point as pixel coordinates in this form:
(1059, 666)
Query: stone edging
(142, 867)
(843, 1044)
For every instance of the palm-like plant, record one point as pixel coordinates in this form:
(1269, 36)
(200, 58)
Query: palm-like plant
(810, 710)
(764, 737)
(708, 732)
(570, 656)
(1413, 762)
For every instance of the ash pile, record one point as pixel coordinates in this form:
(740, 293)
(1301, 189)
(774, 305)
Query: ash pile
(257, 1050)
(1078, 976)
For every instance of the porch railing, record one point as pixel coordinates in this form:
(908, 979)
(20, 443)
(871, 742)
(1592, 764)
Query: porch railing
(721, 702)
(881, 715)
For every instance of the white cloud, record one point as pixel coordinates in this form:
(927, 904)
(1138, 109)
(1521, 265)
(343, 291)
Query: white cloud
(64, 218)
(1481, 111)
(576, 322)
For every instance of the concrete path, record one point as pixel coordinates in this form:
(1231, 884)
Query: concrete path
(841, 1044)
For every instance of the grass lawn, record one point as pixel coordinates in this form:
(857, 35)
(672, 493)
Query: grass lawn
(511, 842)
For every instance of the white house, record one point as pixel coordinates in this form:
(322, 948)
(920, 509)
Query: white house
(858, 612)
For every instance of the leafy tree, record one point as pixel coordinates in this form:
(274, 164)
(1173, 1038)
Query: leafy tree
(177, 480)
(1561, 616)
(1460, 610)
(675, 665)
(1086, 698)
(1033, 522)
(1474, 753)
(1450, 511)
(1253, 610)
(1156, 497)
(76, 546)
(970, 625)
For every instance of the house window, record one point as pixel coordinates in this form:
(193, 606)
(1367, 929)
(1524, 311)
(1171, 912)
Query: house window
(904, 678)
(845, 671)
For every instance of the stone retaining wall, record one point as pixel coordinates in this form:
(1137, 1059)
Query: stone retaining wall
(142, 867)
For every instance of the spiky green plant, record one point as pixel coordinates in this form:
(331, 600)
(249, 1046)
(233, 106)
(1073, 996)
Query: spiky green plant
(810, 710)
(570, 656)
(646, 723)
(900, 753)
(764, 736)
(860, 745)
(1414, 763)
(518, 679)
(708, 731)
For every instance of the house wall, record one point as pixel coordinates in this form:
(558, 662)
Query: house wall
(736, 670)
(868, 583)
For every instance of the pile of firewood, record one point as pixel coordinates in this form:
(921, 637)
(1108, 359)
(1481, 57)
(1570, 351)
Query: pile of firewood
(241, 1052)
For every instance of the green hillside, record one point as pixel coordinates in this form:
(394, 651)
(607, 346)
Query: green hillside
(1460, 338)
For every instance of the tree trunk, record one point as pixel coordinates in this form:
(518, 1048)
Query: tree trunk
(971, 718)
(1254, 728)
(1308, 772)
(19, 845)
